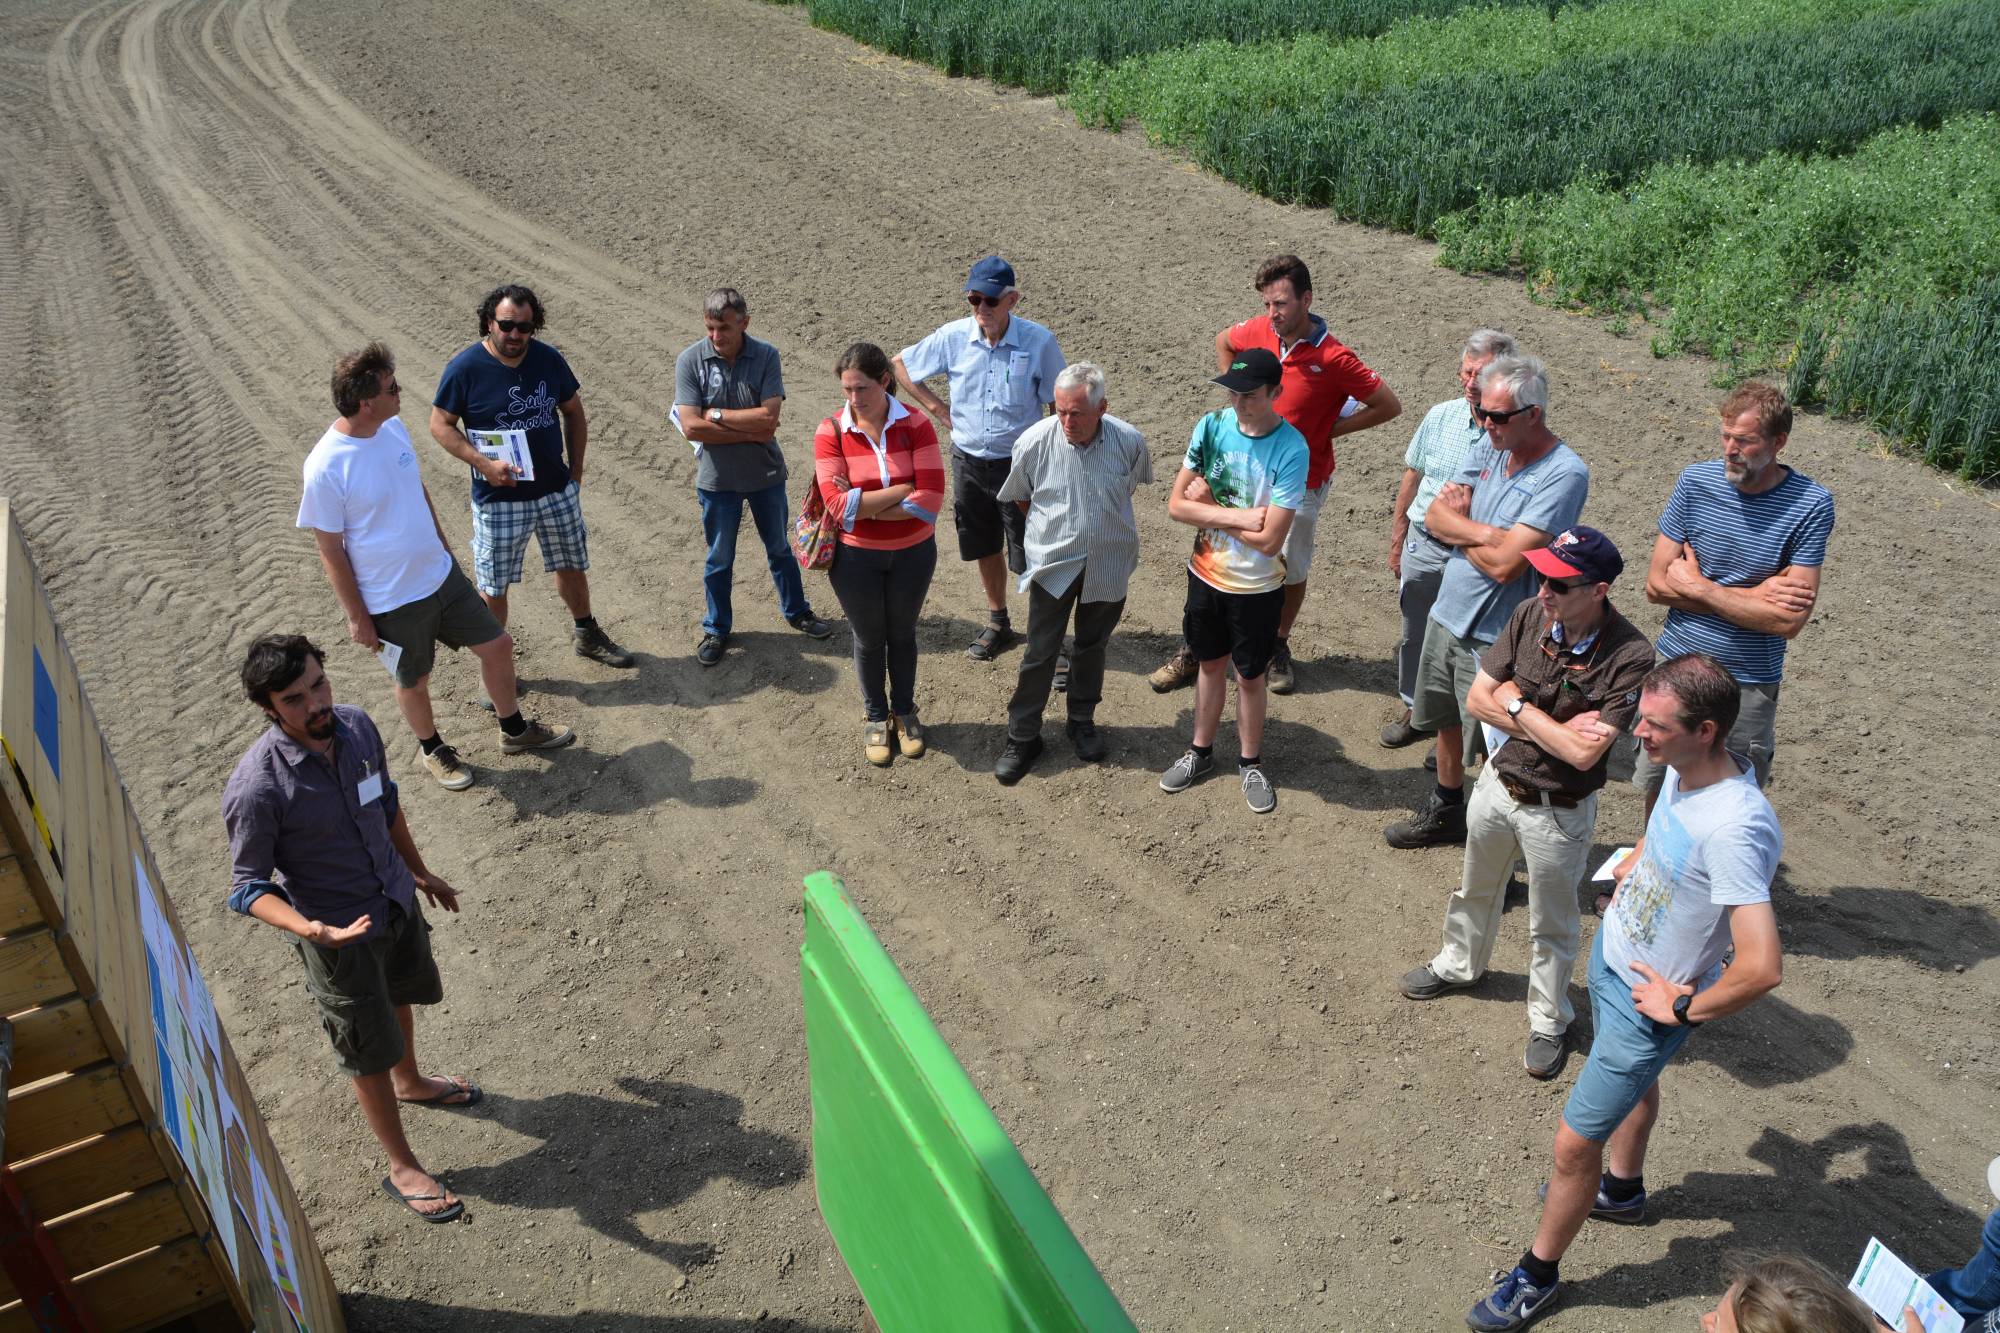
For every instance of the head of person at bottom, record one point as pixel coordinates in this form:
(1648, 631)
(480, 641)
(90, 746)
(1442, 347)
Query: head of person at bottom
(1578, 568)
(1252, 379)
(1785, 1294)
(1080, 402)
(285, 675)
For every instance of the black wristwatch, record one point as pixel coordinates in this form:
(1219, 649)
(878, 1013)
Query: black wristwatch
(1681, 1010)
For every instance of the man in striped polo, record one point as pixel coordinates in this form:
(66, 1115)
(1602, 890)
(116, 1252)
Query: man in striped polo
(1737, 565)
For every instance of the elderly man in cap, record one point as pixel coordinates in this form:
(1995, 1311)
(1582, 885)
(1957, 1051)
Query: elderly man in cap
(1002, 372)
(1558, 686)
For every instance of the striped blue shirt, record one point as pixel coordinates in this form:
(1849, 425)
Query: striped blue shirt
(1740, 540)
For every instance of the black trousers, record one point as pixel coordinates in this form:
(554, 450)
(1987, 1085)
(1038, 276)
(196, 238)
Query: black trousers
(1048, 621)
(882, 593)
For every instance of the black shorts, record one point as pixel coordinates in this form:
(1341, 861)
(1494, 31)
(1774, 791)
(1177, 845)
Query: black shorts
(1241, 626)
(985, 522)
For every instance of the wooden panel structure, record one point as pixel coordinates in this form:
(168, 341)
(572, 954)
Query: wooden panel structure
(130, 1130)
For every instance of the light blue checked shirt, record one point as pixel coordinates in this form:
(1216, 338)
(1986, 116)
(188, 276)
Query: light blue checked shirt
(997, 389)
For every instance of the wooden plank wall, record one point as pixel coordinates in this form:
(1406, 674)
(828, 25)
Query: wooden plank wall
(86, 1134)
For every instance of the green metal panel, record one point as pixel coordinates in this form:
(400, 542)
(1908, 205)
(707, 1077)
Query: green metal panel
(939, 1220)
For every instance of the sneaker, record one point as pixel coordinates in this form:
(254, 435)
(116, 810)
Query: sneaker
(1257, 790)
(1400, 733)
(1435, 824)
(1513, 1303)
(1546, 1055)
(1176, 671)
(539, 736)
(1186, 771)
(1061, 683)
(1088, 740)
(709, 651)
(1420, 983)
(451, 772)
(591, 641)
(1016, 758)
(810, 625)
(1633, 1210)
(875, 742)
(910, 736)
(1279, 673)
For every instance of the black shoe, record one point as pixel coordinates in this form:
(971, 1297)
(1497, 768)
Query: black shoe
(990, 642)
(1435, 824)
(810, 625)
(1400, 733)
(591, 641)
(1431, 762)
(1016, 759)
(1089, 741)
(1546, 1055)
(709, 651)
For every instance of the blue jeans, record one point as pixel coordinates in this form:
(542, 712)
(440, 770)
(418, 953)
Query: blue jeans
(721, 516)
(1975, 1288)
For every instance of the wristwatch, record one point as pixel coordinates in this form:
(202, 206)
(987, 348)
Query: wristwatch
(715, 415)
(1515, 705)
(1681, 1010)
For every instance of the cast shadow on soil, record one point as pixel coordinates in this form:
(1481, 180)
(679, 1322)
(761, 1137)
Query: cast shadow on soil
(391, 1314)
(1797, 1205)
(610, 1161)
(754, 660)
(579, 778)
(1854, 922)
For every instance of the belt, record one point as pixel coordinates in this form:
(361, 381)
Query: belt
(1527, 795)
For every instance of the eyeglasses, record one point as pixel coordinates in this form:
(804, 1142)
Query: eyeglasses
(1566, 585)
(392, 387)
(979, 299)
(1495, 417)
(514, 325)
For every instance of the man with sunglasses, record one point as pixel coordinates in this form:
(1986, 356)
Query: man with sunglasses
(1520, 485)
(1558, 686)
(1002, 371)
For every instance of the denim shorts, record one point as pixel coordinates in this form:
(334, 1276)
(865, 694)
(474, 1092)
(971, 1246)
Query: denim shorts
(1627, 1053)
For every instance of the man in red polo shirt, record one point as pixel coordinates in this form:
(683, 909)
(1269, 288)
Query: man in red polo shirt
(1320, 376)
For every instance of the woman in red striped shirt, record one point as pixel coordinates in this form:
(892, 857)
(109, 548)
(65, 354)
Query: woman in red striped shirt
(879, 469)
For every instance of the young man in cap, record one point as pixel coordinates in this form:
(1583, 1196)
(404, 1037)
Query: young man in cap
(1239, 486)
(1700, 890)
(1558, 686)
(1002, 371)
(1327, 392)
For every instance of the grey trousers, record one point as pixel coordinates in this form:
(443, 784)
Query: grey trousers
(1423, 571)
(1048, 620)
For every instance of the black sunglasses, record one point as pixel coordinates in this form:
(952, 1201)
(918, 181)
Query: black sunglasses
(514, 325)
(1565, 585)
(977, 298)
(1485, 415)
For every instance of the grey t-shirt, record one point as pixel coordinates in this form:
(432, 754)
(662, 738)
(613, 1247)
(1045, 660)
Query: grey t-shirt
(703, 380)
(1548, 494)
(1080, 506)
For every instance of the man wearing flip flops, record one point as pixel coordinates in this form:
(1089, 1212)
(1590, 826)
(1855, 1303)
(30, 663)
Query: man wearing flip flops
(319, 848)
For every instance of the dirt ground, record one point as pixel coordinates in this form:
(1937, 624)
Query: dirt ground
(1187, 1017)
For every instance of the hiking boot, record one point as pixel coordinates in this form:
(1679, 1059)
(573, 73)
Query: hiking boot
(1186, 771)
(451, 772)
(1257, 790)
(538, 736)
(1633, 1210)
(1400, 733)
(1435, 824)
(1016, 758)
(1514, 1302)
(875, 742)
(591, 641)
(1546, 1055)
(1176, 671)
(1278, 675)
(1088, 740)
(1420, 983)
(910, 736)
(810, 625)
(709, 651)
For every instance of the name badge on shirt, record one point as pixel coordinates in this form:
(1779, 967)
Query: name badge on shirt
(368, 789)
(1017, 364)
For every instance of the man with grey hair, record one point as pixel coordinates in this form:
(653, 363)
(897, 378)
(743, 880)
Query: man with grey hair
(1520, 486)
(1073, 477)
(1437, 451)
(727, 394)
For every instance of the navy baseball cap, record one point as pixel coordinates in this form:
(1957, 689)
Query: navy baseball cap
(1579, 553)
(991, 276)
(1253, 368)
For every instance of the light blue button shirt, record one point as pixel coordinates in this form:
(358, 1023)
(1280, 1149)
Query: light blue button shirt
(997, 389)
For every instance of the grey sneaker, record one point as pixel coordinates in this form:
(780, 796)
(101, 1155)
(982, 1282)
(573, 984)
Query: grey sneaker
(1257, 791)
(1420, 983)
(591, 641)
(1186, 771)
(1278, 675)
(451, 772)
(538, 736)
(1546, 1054)
(1176, 671)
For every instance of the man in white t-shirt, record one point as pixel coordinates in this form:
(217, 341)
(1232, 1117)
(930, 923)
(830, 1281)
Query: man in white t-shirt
(386, 555)
(1698, 887)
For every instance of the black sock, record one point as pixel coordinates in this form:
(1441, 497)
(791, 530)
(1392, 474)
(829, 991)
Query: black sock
(1248, 761)
(1450, 795)
(430, 743)
(1620, 1189)
(587, 622)
(513, 724)
(998, 619)
(1540, 1271)
(1203, 751)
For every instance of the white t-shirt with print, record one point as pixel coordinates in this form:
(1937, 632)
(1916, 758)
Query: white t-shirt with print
(371, 493)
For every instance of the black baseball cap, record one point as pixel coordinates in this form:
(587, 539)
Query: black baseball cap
(1253, 368)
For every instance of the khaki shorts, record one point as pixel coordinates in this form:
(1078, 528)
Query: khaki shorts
(1444, 677)
(1298, 547)
(358, 989)
(453, 616)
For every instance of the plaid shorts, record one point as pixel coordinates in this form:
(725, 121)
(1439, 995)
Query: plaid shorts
(500, 531)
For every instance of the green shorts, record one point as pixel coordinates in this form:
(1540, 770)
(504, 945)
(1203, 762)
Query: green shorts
(358, 989)
(453, 616)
